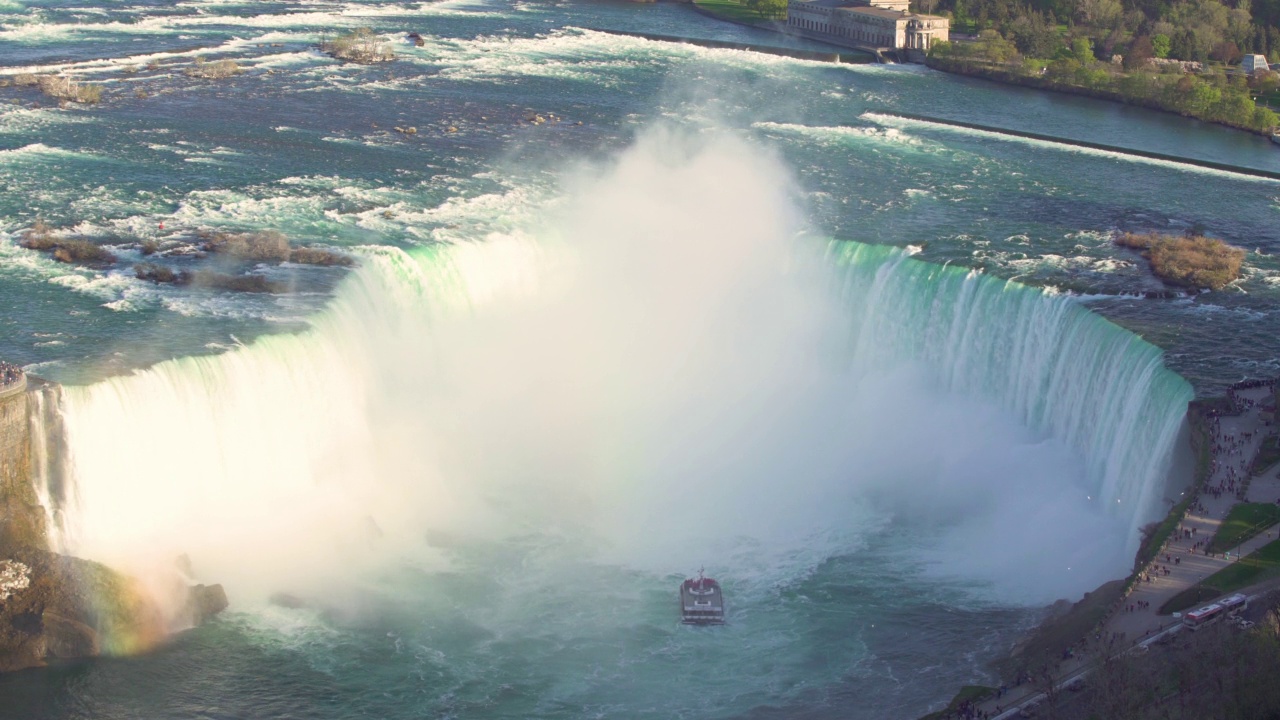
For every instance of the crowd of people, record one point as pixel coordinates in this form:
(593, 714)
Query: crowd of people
(9, 374)
(1231, 454)
(1244, 404)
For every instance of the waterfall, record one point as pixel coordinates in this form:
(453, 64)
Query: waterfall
(1063, 369)
(653, 370)
(48, 453)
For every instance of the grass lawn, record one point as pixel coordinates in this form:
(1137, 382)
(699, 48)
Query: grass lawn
(1268, 455)
(1243, 522)
(730, 10)
(1261, 565)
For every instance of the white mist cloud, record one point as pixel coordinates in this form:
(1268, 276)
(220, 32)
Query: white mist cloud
(657, 373)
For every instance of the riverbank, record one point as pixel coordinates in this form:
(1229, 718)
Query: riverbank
(1259, 124)
(1165, 93)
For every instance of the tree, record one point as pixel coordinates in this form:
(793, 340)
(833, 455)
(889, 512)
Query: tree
(767, 8)
(1033, 35)
(1114, 38)
(995, 48)
(1182, 45)
(1098, 13)
(1082, 50)
(1226, 52)
(1139, 53)
(1203, 24)
(1160, 45)
(1235, 108)
(1194, 95)
(1264, 119)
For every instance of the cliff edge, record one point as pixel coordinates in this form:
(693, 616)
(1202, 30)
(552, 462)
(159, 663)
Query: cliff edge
(52, 606)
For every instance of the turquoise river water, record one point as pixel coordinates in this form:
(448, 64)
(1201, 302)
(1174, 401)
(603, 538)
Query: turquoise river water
(888, 379)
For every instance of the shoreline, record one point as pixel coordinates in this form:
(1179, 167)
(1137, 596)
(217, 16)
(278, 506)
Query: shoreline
(1006, 78)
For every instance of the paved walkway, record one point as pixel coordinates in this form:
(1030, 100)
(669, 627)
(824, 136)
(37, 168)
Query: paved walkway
(1182, 562)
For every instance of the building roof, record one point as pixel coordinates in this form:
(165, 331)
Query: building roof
(878, 12)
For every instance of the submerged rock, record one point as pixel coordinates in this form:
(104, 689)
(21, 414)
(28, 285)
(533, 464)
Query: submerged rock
(285, 600)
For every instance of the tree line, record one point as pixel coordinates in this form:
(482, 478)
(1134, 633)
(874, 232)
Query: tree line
(1171, 55)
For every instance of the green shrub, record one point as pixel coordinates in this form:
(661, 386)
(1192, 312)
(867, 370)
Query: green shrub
(1268, 455)
(64, 88)
(213, 70)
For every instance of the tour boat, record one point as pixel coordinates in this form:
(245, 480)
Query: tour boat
(701, 601)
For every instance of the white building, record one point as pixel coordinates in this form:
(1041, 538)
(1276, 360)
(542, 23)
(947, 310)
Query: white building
(881, 24)
(1253, 63)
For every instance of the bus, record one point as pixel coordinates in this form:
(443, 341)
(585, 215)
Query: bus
(1200, 617)
(1234, 604)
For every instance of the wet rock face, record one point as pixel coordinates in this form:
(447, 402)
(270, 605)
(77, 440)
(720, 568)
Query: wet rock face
(206, 601)
(68, 638)
(68, 608)
(56, 607)
(21, 616)
(21, 517)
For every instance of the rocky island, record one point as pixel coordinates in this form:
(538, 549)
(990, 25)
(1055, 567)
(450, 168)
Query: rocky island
(1191, 261)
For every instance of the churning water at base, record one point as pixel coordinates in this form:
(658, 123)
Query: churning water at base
(487, 466)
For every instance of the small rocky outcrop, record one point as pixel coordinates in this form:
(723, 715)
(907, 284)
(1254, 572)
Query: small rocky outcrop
(251, 283)
(204, 602)
(361, 45)
(286, 600)
(1191, 261)
(41, 236)
(64, 608)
